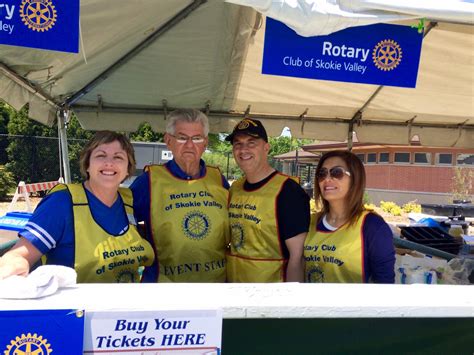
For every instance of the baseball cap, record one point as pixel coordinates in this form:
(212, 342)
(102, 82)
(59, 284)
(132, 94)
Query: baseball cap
(250, 127)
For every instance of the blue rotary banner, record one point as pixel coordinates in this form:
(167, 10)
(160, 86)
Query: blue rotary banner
(44, 24)
(42, 332)
(380, 54)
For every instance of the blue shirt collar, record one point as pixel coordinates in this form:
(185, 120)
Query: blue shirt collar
(174, 168)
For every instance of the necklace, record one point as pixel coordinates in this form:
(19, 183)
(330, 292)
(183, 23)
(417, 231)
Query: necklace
(336, 221)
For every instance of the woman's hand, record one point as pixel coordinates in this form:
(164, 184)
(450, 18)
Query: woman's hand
(19, 259)
(13, 264)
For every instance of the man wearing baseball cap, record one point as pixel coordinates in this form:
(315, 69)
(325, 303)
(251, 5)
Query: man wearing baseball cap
(268, 213)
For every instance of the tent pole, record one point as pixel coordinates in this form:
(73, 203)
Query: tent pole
(63, 119)
(60, 159)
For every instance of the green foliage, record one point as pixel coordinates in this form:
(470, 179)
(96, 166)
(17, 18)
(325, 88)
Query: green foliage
(225, 163)
(420, 26)
(31, 159)
(391, 207)
(145, 133)
(217, 144)
(5, 112)
(284, 144)
(7, 183)
(280, 145)
(411, 207)
(34, 159)
(366, 199)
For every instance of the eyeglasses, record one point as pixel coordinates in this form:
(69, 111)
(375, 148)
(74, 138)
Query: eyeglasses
(336, 172)
(181, 139)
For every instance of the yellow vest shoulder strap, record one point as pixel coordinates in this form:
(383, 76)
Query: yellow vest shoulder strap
(294, 178)
(78, 195)
(58, 187)
(127, 196)
(148, 168)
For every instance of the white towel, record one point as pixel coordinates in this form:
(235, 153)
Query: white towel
(44, 281)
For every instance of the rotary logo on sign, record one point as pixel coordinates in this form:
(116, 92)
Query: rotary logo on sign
(38, 15)
(387, 54)
(28, 344)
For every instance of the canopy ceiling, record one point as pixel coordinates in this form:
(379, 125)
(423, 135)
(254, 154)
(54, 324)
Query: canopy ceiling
(140, 59)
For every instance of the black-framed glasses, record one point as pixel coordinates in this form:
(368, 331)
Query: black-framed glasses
(182, 139)
(336, 172)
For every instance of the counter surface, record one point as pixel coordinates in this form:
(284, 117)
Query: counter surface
(290, 300)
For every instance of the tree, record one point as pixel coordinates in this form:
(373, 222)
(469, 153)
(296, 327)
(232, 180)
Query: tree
(31, 159)
(225, 162)
(5, 112)
(280, 145)
(283, 144)
(7, 184)
(218, 144)
(145, 133)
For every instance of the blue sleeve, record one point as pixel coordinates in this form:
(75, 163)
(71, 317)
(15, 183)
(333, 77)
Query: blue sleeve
(141, 208)
(379, 257)
(141, 197)
(51, 223)
(225, 183)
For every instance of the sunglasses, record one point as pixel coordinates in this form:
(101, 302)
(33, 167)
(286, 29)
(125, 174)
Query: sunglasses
(336, 173)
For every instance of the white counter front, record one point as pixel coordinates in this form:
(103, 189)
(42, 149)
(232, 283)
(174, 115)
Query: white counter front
(291, 300)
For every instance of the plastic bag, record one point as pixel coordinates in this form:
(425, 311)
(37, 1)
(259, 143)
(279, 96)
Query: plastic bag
(426, 270)
(460, 271)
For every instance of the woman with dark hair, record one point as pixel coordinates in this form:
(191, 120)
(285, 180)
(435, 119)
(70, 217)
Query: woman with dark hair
(346, 243)
(90, 226)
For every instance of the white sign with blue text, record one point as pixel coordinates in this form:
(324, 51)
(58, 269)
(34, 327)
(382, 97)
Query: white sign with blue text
(149, 332)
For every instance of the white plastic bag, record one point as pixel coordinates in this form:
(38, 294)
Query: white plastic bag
(426, 270)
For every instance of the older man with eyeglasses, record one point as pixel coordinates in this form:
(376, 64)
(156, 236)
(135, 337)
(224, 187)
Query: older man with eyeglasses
(184, 206)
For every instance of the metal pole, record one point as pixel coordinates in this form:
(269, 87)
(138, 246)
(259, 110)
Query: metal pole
(59, 155)
(296, 158)
(63, 119)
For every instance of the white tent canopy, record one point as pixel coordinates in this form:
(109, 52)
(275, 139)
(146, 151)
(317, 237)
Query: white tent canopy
(141, 59)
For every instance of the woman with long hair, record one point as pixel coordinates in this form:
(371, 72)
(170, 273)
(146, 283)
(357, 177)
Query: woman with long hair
(346, 242)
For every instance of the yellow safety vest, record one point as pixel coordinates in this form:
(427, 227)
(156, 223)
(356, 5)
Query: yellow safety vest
(189, 225)
(255, 251)
(337, 256)
(99, 256)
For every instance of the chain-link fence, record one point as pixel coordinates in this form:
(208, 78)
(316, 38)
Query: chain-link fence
(36, 159)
